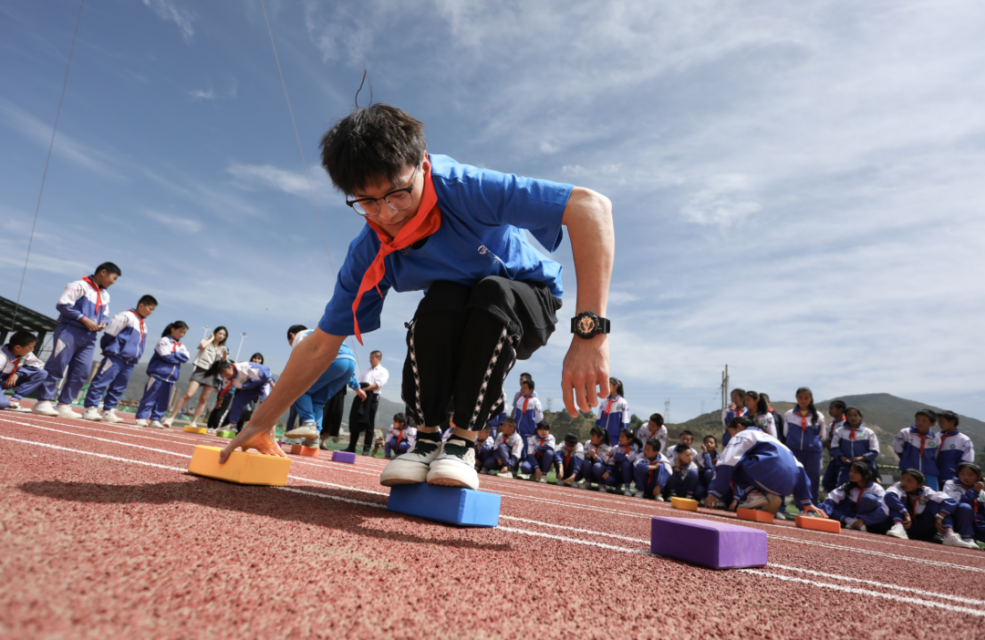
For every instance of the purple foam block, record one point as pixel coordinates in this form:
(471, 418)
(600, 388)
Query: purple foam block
(718, 545)
(343, 456)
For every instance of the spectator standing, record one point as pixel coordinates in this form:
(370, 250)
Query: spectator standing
(210, 350)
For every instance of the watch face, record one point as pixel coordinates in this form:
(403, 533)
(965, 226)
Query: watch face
(586, 324)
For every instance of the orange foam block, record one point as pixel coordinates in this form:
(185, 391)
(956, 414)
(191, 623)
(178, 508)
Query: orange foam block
(754, 515)
(818, 524)
(241, 467)
(308, 451)
(200, 430)
(296, 449)
(685, 504)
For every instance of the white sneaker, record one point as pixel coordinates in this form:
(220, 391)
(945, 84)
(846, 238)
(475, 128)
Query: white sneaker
(628, 492)
(641, 494)
(659, 498)
(413, 466)
(522, 476)
(156, 424)
(140, 422)
(167, 422)
(110, 416)
(44, 408)
(454, 466)
(754, 500)
(307, 430)
(92, 413)
(543, 481)
(65, 411)
(954, 540)
(851, 522)
(897, 531)
(779, 516)
(16, 406)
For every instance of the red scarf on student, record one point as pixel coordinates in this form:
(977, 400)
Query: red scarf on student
(426, 222)
(143, 331)
(99, 293)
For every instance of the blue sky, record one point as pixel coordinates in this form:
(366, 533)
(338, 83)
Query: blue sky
(797, 187)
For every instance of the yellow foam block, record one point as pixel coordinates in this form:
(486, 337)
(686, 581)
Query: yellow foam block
(191, 429)
(685, 504)
(755, 515)
(241, 468)
(818, 524)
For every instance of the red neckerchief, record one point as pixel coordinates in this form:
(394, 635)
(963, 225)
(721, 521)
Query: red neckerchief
(542, 441)
(858, 501)
(526, 399)
(923, 442)
(17, 363)
(803, 420)
(426, 222)
(567, 458)
(143, 331)
(911, 504)
(175, 346)
(944, 436)
(400, 436)
(225, 390)
(608, 406)
(99, 293)
(649, 477)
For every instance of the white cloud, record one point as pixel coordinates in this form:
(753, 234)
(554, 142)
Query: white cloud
(622, 297)
(182, 225)
(292, 182)
(168, 11)
(201, 94)
(724, 202)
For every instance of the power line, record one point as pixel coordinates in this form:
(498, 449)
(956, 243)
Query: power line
(44, 176)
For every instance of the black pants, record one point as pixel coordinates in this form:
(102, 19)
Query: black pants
(362, 419)
(332, 415)
(463, 342)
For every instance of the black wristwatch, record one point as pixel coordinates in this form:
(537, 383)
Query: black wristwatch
(588, 325)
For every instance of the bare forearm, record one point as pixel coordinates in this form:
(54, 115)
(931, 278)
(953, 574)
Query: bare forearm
(308, 361)
(588, 217)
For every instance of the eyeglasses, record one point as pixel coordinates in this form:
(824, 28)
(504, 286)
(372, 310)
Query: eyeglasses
(398, 200)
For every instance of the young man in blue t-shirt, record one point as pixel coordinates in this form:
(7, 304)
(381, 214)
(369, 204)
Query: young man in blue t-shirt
(456, 232)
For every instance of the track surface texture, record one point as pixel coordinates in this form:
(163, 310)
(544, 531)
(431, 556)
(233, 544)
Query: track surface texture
(105, 535)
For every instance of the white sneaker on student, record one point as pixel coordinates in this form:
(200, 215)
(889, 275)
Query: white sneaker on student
(307, 430)
(954, 540)
(65, 411)
(16, 406)
(92, 413)
(779, 516)
(413, 466)
(628, 492)
(44, 408)
(156, 424)
(897, 531)
(659, 498)
(110, 416)
(754, 500)
(167, 422)
(141, 422)
(454, 466)
(853, 523)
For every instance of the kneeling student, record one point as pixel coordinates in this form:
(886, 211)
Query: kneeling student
(651, 471)
(859, 503)
(20, 369)
(540, 453)
(920, 513)
(967, 490)
(400, 437)
(568, 460)
(619, 463)
(683, 479)
(596, 451)
(485, 446)
(506, 452)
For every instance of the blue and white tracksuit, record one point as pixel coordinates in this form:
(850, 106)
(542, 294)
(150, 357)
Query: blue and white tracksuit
(659, 434)
(683, 482)
(568, 462)
(767, 423)
(918, 452)
(727, 418)
(619, 463)
(484, 449)
(540, 454)
(613, 416)
(506, 452)
(651, 482)
(495, 422)
(754, 459)
(923, 507)
(671, 454)
(830, 478)
(162, 371)
(968, 522)
(310, 406)
(252, 382)
(30, 374)
(853, 443)
(953, 448)
(803, 437)
(122, 345)
(594, 465)
(851, 501)
(73, 343)
(527, 412)
(402, 440)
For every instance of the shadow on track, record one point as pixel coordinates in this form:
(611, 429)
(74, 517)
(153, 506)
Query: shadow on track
(252, 500)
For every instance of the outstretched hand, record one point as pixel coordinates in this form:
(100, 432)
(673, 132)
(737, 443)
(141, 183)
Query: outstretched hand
(811, 508)
(585, 376)
(253, 436)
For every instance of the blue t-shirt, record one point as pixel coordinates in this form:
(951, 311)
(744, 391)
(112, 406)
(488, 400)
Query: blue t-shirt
(482, 216)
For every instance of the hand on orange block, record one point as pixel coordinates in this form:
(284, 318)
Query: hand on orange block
(710, 501)
(253, 437)
(815, 511)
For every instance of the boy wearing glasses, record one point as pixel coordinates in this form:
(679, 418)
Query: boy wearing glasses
(456, 232)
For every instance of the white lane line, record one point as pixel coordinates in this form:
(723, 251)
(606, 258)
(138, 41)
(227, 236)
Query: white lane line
(881, 554)
(872, 594)
(875, 594)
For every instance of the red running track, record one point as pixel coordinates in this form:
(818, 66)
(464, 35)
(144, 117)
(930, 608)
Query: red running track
(105, 535)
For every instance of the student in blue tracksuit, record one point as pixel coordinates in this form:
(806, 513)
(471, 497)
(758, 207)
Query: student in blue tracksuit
(923, 513)
(759, 412)
(859, 503)
(761, 468)
(619, 463)
(568, 460)
(651, 471)
(836, 409)
(527, 413)
(540, 453)
(597, 450)
(507, 449)
(20, 369)
(954, 448)
(83, 310)
(495, 422)
(310, 406)
(854, 441)
(916, 447)
(683, 481)
(654, 430)
(613, 412)
(485, 444)
(804, 431)
(967, 489)
(706, 470)
(251, 380)
(736, 410)
(122, 345)
(162, 371)
(399, 438)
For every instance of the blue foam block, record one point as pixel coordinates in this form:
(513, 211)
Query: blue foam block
(344, 456)
(718, 545)
(464, 507)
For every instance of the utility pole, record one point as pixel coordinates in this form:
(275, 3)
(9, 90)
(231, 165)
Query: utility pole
(667, 411)
(241, 339)
(725, 384)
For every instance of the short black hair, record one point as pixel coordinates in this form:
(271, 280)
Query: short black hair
(571, 439)
(654, 444)
(838, 404)
(950, 416)
(109, 267)
(530, 383)
(710, 436)
(681, 448)
(257, 355)
(510, 421)
(930, 414)
(525, 375)
(686, 433)
(147, 300)
(399, 417)
(22, 339)
(376, 353)
(917, 475)
(659, 419)
(295, 329)
(543, 424)
(371, 143)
